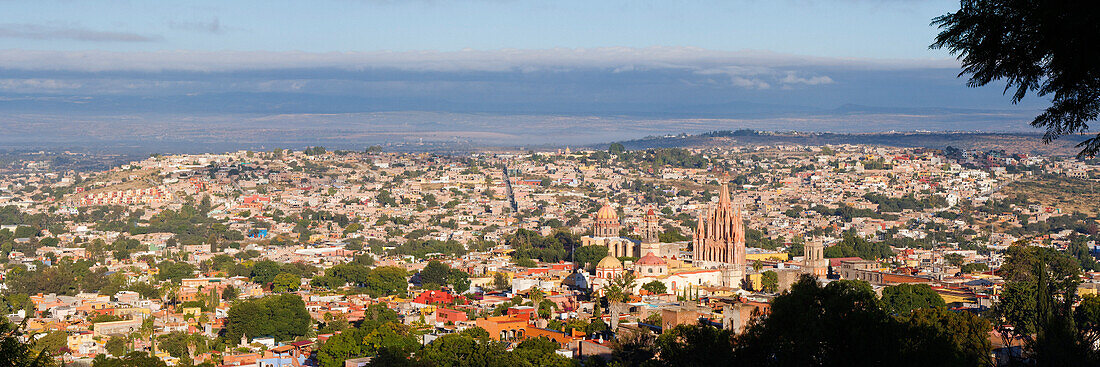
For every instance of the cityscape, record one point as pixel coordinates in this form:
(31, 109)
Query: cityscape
(442, 183)
(176, 255)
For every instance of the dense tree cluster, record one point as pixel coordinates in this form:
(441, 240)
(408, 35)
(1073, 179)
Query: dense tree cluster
(847, 212)
(840, 324)
(437, 274)
(67, 277)
(856, 246)
(376, 282)
(589, 256)
(423, 248)
(382, 336)
(1037, 307)
(553, 248)
(283, 317)
(909, 202)
(264, 272)
(15, 351)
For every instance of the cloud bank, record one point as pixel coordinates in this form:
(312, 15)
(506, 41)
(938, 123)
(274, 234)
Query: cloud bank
(618, 58)
(44, 32)
(663, 82)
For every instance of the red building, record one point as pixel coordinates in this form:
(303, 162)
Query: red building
(449, 315)
(438, 297)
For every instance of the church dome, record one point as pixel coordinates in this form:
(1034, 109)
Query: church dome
(651, 259)
(610, 262)
(607, 213)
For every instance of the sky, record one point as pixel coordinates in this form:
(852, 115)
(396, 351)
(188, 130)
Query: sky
(744, 59)
(829, 28)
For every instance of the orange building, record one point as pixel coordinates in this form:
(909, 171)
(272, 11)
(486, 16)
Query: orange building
(506, 328)
(516, 328)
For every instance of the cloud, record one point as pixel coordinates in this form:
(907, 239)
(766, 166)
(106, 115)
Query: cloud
(37, 85)
(749, 83)
(214, 26)
(43, 32)
(761, 77)
(792, 78)
(504, 60)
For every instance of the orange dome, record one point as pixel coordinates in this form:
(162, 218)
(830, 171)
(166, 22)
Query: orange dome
(607, 213)
(651, 259)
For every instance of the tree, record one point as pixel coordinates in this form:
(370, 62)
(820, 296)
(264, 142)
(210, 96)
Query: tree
(353, 227)
(621, 286)
(230, 293)
(340, 347)
(116, 346)
(769, 280)
(839, 324)
(588, 256)
(954, 259)
(501, 281)
(134, 359)
(327, 282)
(1087, 318)
(655, 287)
(283, 317)
(385, 281)
(536, 295)
(938, 337)
(392, 337)
(15, 351)
(175, 343)
(902, 299)
(350, 273)
(696, 345)
(52, 343)
(1040, 46)
(524, 262)
(460, 281)
(541, 351)
(616, 148)
(174, 271)
(634, 348)
(853, 245)
(974, 268)
(264, 272)
(435, 273)
(1037, 302)
(286, 282)
(333, 323)
(463, 350)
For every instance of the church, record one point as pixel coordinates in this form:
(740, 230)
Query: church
(719, 240)
(606, 234)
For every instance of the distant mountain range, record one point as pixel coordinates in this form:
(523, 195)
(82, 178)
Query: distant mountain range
(1027, 143)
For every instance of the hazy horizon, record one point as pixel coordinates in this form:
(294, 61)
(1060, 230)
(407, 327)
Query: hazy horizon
(505, 73)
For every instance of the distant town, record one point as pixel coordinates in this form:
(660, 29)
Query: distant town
(561, 256)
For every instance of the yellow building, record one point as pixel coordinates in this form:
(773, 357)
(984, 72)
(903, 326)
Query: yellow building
(767, 256)
(756, 280)
(81, 342)
(482, 282)
(192, 311)
(1087, 289)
